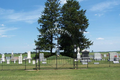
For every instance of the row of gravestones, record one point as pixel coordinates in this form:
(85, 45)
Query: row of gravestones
(12, 58)
(98, 56)
(84, 58)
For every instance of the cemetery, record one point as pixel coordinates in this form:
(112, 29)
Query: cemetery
(55, 40)
(82, 60)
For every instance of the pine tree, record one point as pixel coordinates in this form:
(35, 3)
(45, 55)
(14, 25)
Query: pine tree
(48, 18)
(74, 21)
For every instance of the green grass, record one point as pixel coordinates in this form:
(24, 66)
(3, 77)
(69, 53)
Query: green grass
(101, 71)
(112, 73)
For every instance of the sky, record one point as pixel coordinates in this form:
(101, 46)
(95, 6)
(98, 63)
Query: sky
(18, 24)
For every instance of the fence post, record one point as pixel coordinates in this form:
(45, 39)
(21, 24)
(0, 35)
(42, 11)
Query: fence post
(56, 61)
(109, 62)
(77, 63)
(39, 61)
(25, 64)
(87, 62)
(2, 65)
(36, 63)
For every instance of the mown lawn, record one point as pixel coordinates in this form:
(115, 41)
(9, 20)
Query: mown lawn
(110, 73)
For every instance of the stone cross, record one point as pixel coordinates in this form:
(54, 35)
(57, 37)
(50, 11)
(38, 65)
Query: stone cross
(56, 24)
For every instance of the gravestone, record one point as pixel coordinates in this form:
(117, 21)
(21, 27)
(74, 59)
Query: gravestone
(33, 61)
(3, 58)
(29, 56)
(20, 59)
(105, 55)
(113, 56)
(97, 56)
(84, 62)
(85, 57)
(85, 54)
(41, 56)
(96, 62)
(14, 61)
(44, 62)
(115, 62)
(78, 54)
(8, 60)
(12, 56)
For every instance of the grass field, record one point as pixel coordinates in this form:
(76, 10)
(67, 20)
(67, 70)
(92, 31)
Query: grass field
(110, 73)
(101, 71)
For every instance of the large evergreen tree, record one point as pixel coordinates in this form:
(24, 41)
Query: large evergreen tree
(49, 16)
(73, 19)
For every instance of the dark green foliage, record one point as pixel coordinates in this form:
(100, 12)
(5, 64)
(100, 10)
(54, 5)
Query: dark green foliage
(74, 21)
(48, 18)
(70, 18)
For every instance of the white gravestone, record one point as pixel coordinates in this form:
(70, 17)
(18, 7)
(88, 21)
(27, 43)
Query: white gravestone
(8, 61)
(29, 60)
(33, 61)
(20, 59)
(78, 54)
(29, 56)
(96, 62)
(14, 61)
(115, 62)
(105, 55)
(97, 56)
(44, 62)
(3, 58)
(84, 62)
(112, 56)
(41, 56)
(12, 55)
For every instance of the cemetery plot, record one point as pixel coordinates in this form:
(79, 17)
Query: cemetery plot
(58, 62)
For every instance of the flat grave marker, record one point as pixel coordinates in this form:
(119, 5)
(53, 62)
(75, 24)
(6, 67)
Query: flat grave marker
(115, 62)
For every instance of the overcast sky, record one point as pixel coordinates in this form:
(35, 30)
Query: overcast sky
(18, 24)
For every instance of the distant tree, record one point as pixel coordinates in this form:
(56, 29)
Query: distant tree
(73, 19)
(49, 16)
